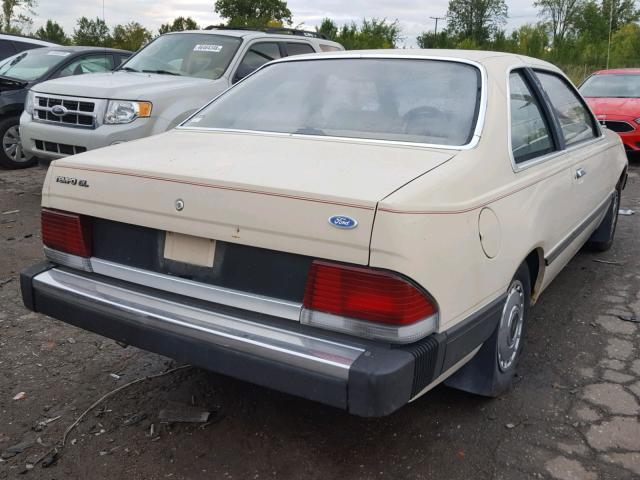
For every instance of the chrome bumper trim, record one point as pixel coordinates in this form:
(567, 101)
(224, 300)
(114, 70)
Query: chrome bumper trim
(201, 291)
(313, 354)
(68, 260)
(180, 286)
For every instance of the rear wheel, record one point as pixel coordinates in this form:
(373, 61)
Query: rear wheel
(491, 371)
(12, 155)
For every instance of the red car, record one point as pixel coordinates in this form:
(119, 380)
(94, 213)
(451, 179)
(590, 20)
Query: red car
(614, 97)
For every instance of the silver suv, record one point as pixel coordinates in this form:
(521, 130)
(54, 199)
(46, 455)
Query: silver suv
(155, 90)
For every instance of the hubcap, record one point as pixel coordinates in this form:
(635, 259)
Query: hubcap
(13, 146)
(510, 329)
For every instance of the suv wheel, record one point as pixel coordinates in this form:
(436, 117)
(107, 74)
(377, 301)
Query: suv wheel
(11, 154)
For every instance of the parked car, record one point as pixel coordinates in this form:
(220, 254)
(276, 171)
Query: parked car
(353, 228)
(12, 44)
(157, 89)
(22, 71)
(614, 96)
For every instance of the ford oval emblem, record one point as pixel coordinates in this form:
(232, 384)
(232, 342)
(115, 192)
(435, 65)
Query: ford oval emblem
(59, 110)
(343, 221)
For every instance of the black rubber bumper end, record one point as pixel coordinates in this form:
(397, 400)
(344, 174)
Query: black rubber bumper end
(380, 382)
(26, 287)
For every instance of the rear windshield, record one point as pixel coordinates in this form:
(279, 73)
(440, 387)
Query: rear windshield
(611, 86)
(199, 55)
(423, 101)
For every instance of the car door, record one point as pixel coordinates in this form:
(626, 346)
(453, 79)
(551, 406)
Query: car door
(93, 63)
(536, 152)
(257, 54)
(585, 149)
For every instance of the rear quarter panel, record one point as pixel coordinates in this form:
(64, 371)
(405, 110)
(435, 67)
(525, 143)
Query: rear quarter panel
(429, 229)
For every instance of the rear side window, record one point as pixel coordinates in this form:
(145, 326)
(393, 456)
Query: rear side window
(575, 119)
(329, 48)
(299, 49)
(530, 133)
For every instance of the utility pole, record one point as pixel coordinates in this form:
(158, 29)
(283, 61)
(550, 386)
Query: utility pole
(436, 19)
(610, 23)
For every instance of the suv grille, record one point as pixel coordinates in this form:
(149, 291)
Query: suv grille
(617, 126)
(59, 148)
(72, 112)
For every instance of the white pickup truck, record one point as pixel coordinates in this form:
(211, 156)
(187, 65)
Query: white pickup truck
(157, 89)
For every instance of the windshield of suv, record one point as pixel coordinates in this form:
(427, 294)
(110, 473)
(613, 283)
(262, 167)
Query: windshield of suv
(32, 64)
(199, 55)
(424, 101)
(612, 86)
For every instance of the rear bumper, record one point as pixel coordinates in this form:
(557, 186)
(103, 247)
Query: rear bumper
(364, 378)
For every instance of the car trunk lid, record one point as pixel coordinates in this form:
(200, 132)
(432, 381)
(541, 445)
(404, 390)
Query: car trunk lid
(275, 192)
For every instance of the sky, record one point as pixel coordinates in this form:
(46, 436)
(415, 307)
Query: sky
(413, 15)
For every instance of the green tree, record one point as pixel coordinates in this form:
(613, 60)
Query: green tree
(625, 46)
(178, 25)
(374, 33)
(477, 20)
(53, 32)
(17, 14)
(624, 12)
(328, 28)
(589, 22)
(253, 13)
(131, 36)
(441, 39)
(92, 33)
(561, 15)
(531, 40)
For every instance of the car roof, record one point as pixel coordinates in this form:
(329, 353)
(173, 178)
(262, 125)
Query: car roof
(618, 71)
(74, 49)
(25, 39)
(255, 33)
(478, 56)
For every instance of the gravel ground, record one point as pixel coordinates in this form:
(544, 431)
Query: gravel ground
(573, 413)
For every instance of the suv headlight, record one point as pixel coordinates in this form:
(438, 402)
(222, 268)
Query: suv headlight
(124, 111)
(28, 103)
(637, 120)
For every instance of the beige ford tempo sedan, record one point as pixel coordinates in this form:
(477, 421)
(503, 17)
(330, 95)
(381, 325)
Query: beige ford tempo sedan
(352, 228)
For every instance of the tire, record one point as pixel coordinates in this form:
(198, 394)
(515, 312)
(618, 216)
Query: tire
(490, 372)
(44, 162)
(602, 239)
(11, 154)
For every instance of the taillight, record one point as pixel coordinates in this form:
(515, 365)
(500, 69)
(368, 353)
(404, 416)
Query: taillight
(367, 302)
(66, 232)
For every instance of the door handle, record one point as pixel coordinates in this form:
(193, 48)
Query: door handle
(581, 172)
